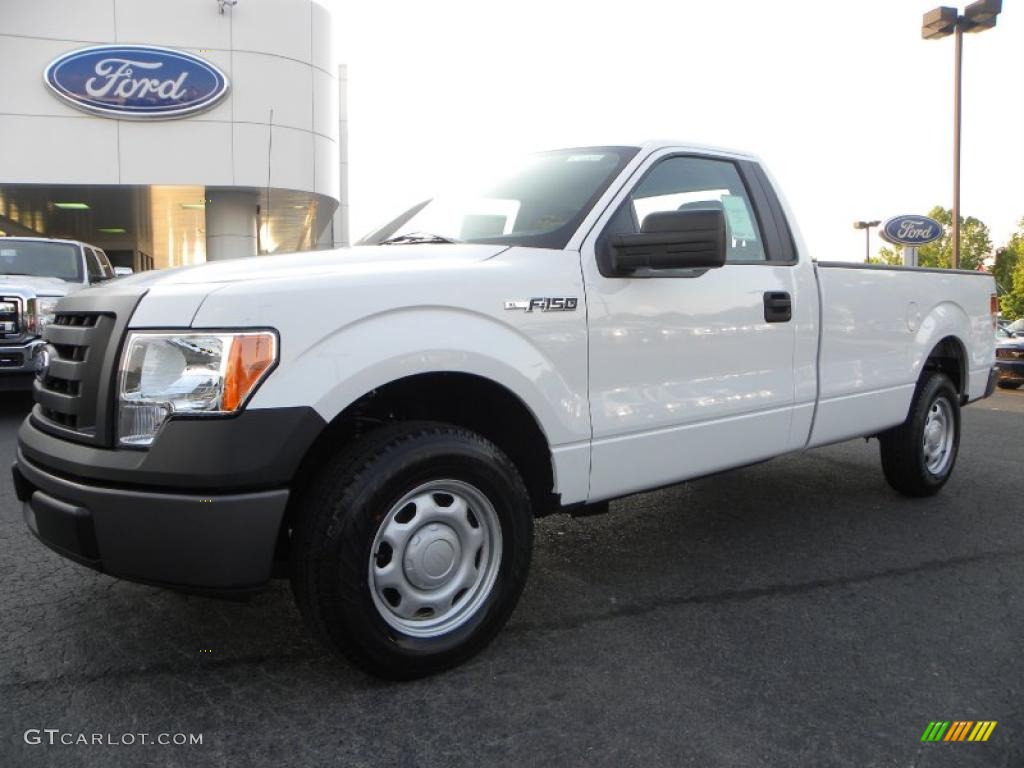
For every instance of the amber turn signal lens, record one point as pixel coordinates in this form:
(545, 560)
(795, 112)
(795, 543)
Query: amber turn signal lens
(250, 358)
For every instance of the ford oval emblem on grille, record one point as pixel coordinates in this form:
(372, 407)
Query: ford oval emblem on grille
(136, 82)
(43, 357)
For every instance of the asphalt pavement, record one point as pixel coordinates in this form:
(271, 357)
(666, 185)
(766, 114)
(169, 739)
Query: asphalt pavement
(795, 613)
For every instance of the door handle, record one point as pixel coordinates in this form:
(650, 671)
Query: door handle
(778, 307)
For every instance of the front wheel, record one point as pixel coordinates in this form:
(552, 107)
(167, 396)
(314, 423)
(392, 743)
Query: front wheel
(918, 456)
(412, 548)
(1008, 384)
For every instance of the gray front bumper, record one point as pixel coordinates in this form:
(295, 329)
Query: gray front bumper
(18, 364)
(205, 542)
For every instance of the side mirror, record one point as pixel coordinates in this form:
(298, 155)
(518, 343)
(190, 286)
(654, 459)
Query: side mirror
(123, 271)
(671, 240)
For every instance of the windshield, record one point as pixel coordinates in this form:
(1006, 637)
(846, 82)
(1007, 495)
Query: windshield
(40, 259)
(538, 201)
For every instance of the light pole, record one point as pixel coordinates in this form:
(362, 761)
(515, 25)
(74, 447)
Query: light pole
(866, 226)
(942, 22)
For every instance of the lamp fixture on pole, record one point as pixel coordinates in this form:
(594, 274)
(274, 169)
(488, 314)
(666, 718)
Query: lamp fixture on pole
(866, 226)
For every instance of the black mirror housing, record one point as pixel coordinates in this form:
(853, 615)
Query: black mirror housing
(671, 240)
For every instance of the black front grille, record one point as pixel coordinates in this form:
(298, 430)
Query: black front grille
(11, 359)
(81, 321)
(68, 394)
(76, 398)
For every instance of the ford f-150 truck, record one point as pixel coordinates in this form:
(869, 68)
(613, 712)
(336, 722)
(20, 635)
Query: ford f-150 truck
(384, 423)
(35, 273)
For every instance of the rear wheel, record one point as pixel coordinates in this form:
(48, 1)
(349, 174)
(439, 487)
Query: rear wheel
(412, 548)
(918, 456)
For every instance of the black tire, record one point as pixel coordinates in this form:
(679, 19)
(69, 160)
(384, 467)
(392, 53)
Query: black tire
(338, 519)
(902, 447)
(1007, 384)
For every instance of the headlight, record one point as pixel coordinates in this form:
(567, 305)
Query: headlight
(41, 313)
(166, 373)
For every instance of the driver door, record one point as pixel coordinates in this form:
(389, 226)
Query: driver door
(690, 373)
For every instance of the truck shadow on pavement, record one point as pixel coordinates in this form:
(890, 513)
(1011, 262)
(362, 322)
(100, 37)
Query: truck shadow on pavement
(14, 406)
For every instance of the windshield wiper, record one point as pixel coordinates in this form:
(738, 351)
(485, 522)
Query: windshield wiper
(415, 238)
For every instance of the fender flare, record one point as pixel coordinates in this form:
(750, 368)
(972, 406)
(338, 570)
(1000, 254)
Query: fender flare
(946, 320)
(396, 344)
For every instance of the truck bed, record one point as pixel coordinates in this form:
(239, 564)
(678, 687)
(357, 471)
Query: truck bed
(878, 325)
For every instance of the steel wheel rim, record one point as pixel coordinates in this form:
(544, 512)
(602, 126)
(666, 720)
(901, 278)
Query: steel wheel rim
(937, 440)
(435, 558)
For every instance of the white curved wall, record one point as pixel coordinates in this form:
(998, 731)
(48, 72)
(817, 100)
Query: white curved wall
(278, 54)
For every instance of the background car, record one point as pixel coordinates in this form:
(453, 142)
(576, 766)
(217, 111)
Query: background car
(36, 273)
(1010, 358)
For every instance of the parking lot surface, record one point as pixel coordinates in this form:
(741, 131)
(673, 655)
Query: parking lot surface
(795, 613)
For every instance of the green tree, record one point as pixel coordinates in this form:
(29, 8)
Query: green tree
(1002, 270)
(893, 256)
(1012, 303)
(1009, 274)
(1007, 258)
(975, 242)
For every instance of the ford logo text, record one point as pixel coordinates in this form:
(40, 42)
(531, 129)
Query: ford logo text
(911, 230)
(136, 82)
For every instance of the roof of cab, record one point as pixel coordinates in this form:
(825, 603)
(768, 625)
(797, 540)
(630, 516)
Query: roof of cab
(648, 146)
(47, 240)
(652, 145)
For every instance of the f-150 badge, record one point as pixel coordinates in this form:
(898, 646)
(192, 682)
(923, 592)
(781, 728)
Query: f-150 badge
(545, 304)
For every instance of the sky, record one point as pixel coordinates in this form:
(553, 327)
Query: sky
(851, 111)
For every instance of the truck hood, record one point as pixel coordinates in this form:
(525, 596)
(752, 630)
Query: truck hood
(40, 286)
(358, 260)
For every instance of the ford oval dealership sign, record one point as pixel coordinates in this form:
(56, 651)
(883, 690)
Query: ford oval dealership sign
(136, 82)
(911, 230)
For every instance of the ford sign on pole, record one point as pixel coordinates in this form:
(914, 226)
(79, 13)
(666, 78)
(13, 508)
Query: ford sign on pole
(136, 82)
(911, 230)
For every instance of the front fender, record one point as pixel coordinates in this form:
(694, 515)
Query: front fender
(348, 332)
(336, 370)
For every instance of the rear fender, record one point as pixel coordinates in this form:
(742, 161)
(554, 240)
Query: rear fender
(943, 321)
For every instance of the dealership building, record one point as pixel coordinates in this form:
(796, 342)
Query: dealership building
(173, 132)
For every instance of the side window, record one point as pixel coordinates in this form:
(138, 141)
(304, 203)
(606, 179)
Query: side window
(698, 183)
(105, 265)
(93, 267)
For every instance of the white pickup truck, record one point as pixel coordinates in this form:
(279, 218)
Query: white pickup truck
(35, 273)
(384, 422)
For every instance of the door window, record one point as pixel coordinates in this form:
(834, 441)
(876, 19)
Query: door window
(691, 184)
(93, 266)
(105, 265)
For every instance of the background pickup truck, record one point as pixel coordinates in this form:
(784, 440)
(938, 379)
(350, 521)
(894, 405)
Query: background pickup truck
(34, 274)
(383, 423)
